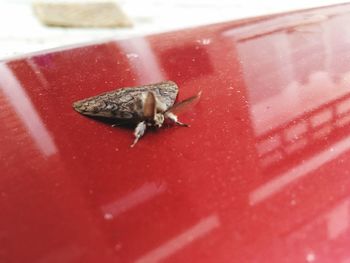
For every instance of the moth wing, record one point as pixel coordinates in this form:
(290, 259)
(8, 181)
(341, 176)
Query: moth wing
(184, 105)
(133, 99)
(128, 103)
(166, 93)
(149, 107)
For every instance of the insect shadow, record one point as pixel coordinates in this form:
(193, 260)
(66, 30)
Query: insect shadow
(126, 124)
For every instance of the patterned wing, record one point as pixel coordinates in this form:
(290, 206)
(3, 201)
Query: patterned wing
(127, 103)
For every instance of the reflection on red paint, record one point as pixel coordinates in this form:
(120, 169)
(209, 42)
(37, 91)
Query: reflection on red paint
(133, 199)
(197, 231)
(262, 175)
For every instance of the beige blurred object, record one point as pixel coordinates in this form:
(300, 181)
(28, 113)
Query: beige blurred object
(81, 14)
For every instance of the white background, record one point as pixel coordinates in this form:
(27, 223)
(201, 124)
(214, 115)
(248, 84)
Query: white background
(21, 32)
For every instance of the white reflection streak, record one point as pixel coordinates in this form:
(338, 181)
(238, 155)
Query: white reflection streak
(140, 195)
(173, 245)
(26, 111)
(338, 220)
(43, 81)
(345, 260)
(277, 184)
(144, 59)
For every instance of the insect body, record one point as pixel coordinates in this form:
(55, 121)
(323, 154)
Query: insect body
(144, 106)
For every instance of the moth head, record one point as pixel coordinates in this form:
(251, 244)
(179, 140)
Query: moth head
(158, 120)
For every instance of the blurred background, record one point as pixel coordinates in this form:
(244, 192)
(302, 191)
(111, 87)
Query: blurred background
(21, 31)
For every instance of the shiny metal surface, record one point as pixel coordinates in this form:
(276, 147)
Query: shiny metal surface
(262, 175)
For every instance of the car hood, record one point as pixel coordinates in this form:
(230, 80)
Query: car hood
(262, 174)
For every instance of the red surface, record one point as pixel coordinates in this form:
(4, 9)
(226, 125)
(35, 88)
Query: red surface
(262, 175)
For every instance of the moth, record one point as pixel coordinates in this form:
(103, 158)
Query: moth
(144, 106)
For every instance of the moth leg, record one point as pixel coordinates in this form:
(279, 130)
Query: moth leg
(139, 132)
(171, 116)
(116, 124)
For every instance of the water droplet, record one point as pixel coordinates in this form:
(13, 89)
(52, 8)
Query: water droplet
(204, 41)
(108, 216)
(310, 257)
(132, 55)
(118, 246)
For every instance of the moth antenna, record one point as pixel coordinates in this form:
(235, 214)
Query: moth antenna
(185, 104)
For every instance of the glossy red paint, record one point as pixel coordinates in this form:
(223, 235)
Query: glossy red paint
(263, 174)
